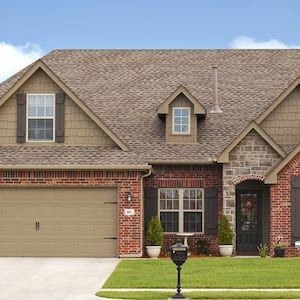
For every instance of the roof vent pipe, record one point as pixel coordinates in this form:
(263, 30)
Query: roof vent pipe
(215, 108)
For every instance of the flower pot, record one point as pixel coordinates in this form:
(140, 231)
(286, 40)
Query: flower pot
(279, 252)
(153, 251)
(226, 250)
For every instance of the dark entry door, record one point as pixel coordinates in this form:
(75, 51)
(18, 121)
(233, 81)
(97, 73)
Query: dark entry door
(248, 222)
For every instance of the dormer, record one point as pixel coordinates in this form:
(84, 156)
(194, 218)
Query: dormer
(181, 111)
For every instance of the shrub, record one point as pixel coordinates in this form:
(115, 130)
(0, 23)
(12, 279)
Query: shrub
(202, 247)
(225, 233)
(155, 232)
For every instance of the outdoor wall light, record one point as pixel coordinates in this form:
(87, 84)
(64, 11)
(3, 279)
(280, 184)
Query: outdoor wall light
(129, 196)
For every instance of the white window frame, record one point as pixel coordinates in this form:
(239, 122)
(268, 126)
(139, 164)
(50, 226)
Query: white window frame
(181, 209)
(173, 121)
(42, 117)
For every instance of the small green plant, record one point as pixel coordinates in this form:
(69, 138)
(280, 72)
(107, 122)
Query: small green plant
(155, 232)
(202, 247)
(278, 244)
(263, 250)
(225, 233)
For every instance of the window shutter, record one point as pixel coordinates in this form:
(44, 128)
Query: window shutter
(295, 208)
(60, 117)
(150, 204)
(21, 118)
(211, 211)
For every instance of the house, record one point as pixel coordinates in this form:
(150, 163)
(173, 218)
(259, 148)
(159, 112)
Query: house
(95, 142)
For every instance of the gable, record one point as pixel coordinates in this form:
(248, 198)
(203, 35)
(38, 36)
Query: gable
(283, 122)
(164, 107)
(253, 126)
(80, 129)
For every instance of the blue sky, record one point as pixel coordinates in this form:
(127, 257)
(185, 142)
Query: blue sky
(31, 28)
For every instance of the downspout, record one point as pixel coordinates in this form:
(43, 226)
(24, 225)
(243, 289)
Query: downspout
(142, 208)
(140, 254)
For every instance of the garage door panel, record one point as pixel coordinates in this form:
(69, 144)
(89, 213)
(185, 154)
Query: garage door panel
(72, 222)
(7, 212)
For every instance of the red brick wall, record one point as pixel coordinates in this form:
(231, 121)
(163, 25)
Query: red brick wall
(130, 227)
(188, 177)
(281, 206)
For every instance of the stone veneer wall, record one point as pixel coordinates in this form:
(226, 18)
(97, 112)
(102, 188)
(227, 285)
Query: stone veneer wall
(130, 227)
(251, 159)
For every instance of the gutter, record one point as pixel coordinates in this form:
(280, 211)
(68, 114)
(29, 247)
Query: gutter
(209, 161)
(77, 167)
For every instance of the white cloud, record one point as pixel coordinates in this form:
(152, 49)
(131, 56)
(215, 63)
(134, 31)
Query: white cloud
(247, 42)
(14, 58)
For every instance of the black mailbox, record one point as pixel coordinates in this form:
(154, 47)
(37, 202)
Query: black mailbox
(179, 253)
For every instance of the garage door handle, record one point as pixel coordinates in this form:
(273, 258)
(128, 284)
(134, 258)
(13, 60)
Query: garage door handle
(37, 226)
(110, 238)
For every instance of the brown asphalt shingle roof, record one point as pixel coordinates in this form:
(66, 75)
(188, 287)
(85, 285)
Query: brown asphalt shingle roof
(124, 88)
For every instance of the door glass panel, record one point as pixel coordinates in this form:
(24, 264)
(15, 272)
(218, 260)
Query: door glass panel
(248, 221)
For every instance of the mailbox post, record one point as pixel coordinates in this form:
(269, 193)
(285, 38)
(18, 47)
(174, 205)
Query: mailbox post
(179, 256)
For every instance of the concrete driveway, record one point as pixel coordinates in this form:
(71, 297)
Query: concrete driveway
(53, 278)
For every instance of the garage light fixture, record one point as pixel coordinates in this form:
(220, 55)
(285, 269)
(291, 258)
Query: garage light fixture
(129, 196)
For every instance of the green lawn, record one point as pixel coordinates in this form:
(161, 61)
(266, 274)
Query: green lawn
(207, 273)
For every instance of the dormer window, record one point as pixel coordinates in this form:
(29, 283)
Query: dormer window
(181, 120)
(181, 112)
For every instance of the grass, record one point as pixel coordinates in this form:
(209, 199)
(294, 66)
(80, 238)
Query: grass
(201, 295)
(241, 273)
(208, 273)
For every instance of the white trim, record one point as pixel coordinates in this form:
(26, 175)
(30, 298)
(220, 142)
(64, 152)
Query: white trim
(173, 121)
(44, 117)
(181, 210)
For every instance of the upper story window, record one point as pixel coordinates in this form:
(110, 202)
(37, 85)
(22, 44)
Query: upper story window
(181, 210)
(181, 120)
(40, 117)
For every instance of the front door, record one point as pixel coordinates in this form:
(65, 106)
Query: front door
(248, 223)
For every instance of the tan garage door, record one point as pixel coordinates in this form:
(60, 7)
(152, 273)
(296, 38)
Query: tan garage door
(58, 222)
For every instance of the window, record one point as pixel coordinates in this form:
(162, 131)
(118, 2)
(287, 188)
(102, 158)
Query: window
(181, 120)
(181, 210)
(40, 117)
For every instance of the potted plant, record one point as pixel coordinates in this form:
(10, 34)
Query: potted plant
(225, 236)
(279, 248)
(154, 237)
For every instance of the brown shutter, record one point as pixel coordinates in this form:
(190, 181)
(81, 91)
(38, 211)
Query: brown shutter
(295, 208)
(211, 211)
(21, 118)
(60, 118)
(150, 204)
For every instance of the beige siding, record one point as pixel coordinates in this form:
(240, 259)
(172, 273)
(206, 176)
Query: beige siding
(79, 128)
(181, 101)
(283, 124)
(8, 122)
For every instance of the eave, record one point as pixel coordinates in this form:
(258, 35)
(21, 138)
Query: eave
(271, 177)
(77, 167)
